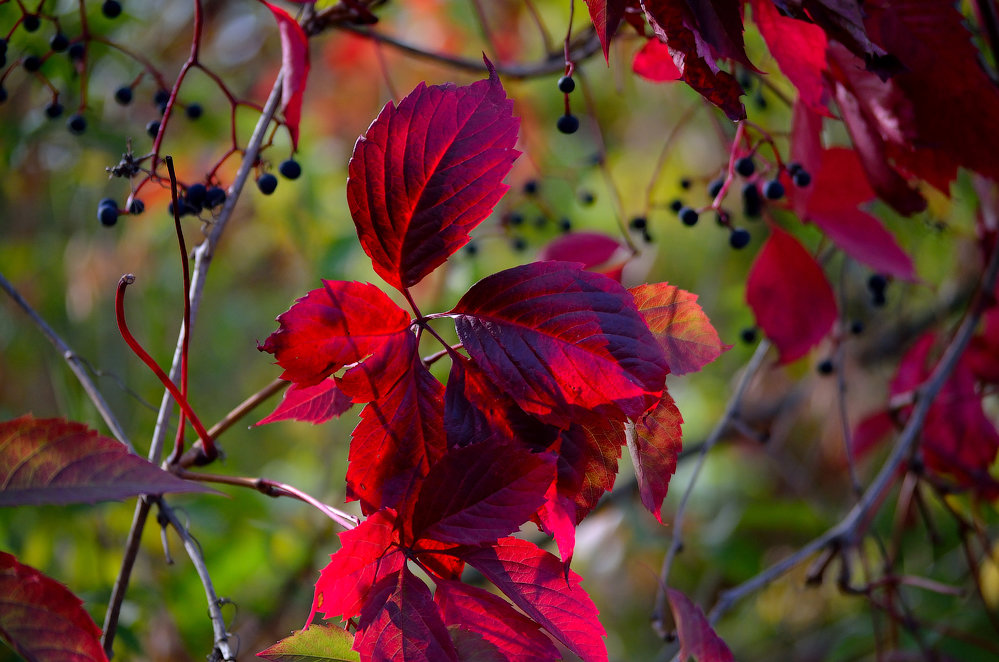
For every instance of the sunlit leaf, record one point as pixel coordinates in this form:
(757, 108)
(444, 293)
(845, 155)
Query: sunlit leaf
(316, 643)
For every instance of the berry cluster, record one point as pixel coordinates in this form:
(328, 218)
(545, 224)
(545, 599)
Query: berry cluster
(567, 123)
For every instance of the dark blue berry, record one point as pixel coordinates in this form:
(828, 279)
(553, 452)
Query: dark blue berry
(568, 123)
(739, 238)
(107, 202)
(32, 63)
(194, 111)
(267, 183)
(3, 93)
(877, 283)
(685, 183)
(123, 95)
(564, 224)
(59, 42)
(566, 84)
(878, 299)
(136, 207)
(161, 98)
(802, 178)
(514, 219)
(3, 45)
(290, 169)
(196, 194)
(638, 223)
(518, 244)
(773, 190)
(471, 249)
(752, 202)
(153, 128)
(745, 166)
(530, 187)
(826, 367)
(184, 206)
(856, 327)
(107, 215)
(715, 187)
(77, 51)
(53, 110)
(793, 167)
(214, 197)
(688, 216)
(111, 8)
(77, 124)
(31, 22)
(676, 205)
(748, 335)
(586, 198)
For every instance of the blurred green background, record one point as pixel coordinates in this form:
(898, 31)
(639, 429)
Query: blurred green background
(754, 504)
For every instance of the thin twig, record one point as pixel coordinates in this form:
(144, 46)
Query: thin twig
(844, 534)
(76, 364)
(731, 412)
(246, 406)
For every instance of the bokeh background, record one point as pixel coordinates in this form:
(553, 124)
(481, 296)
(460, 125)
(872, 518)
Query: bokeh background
(766, 489)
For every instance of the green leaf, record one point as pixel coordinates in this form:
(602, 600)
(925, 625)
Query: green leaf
(317, 642)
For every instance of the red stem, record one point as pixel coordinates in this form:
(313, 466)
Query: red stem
(178, 446)
(119, 309)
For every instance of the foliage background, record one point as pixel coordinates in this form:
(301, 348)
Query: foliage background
(756, 502)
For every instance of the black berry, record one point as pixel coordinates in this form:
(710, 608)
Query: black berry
(773, 190)
(194, 111)
(59, 42)
(586, 198)
(153, 128)
(564, 224)
(31, 22)
(676, 205)
(638, 223)
(688, 216)
(290, 169)
(518, 244)
(107, 202)
(566, 84)
(685, 183)
(136, 207)
(53, 110)
(877, 283)
(745, 166)
(748, 335)
(184, 206)
(3, 45)
(801, 178)
(196, 194)
(32, 63)
(530, 187)
(739, 238)
(107, 215)
(856, 327)
(646, 237)
(568, 123)
(77, 51)
(214, 197)
(793, 167)
(878, 299)
(514, 219)
(111, 8)
(3, 93)
(826, 367)
(123, 95)
(267, 183)
(471, 249)
(752, 202)
(161, 98)
(715, 187)
(77, 124)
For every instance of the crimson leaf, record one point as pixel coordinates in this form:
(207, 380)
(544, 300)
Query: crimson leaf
(401, 623)
(606, 16)
(366, 555)
(697, 639)
(315, 404)
(655, 446)
(424, 174)
(680, 325)
(556, 337)
(790, 296)
(655, 63)
(547, 592)
(294, 67)
(596, 251)
(481, 492)
(473, 609)
(332, 327)
(41, 619)
(55, 461)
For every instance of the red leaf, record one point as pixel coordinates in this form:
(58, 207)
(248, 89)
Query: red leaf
(400, 436)
(476, 411)
(790, 296)
(440, 558)
(332, 327)
(606, 16)
(55, 461)
(294, 66)
(41, 619)
(557, 517)
(654, 62)
(313, 404)
(492, 617)
(800, 51)
(983, 353)
(719, 87)
(843, 20)
(598, 252)
(367, 554)
(838, 186)
(548, 593)
(424, 174)
(871, 431)
(587, 464)
(683, 330)
(654, 448)
(556, 337)
(718, 23)
(697, 638)
(401, 623)
(481, 492)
